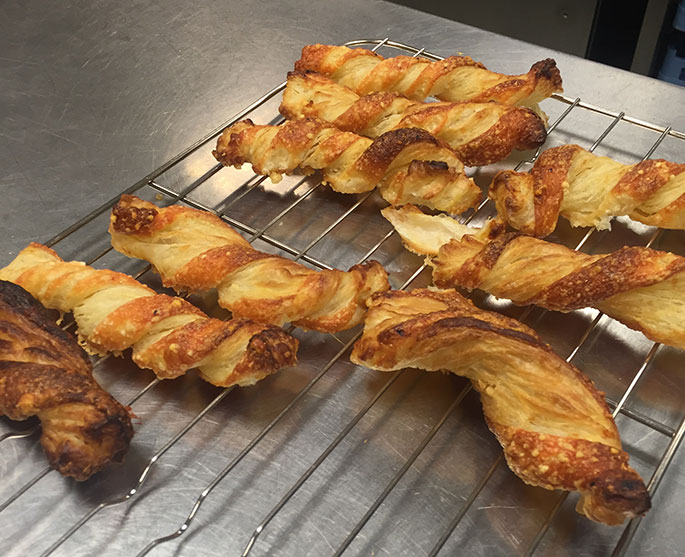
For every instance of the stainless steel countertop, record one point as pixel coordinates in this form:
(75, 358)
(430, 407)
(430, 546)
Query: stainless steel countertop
(97, 94)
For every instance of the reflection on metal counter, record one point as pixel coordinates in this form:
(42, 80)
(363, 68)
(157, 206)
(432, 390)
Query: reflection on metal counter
(330, 455)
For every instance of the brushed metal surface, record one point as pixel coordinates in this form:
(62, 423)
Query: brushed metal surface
(98, 94)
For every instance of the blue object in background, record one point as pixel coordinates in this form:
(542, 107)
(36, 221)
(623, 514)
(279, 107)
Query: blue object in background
(673, 67)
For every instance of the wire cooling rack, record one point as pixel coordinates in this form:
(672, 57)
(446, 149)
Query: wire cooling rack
(329, 458)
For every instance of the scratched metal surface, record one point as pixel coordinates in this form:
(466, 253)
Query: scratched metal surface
(97, 130)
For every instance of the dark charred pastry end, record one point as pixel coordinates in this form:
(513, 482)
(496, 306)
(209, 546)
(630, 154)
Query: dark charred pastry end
(226, 145)
(428, 168)
(18, 300)
(84, 427)
(267, 352)
(104, 441)
(534, 134)
(127, 219)
(433, 165)
(547, 69)
(612, 499)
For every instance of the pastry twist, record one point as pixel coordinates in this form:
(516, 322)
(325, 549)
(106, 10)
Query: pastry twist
(197, 251)
(553, 424)
(407, 165)
(457, 78)
(640, 287)
(168, 335)
(479, 133)
(589, 190)
(44, 373)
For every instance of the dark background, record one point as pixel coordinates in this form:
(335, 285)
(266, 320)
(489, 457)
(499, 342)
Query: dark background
(627, 34)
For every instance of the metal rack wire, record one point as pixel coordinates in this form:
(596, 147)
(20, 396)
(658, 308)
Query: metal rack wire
(154, 181)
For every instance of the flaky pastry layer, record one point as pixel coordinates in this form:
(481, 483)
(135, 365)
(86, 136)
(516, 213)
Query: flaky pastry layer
(166, 334)
(640, 287)
(457, 78)
(553, 424)
(197, 251)
(479, 133)
(44, 373)
(408, 165)
(589, 190)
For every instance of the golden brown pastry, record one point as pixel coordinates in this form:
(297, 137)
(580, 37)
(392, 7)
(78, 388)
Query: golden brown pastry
(408, 165)
(44, 373)
(457, 78)
(479, 133)
(168, 335)
(197, 251)
(553, 424)
(589, 190)
(640, 287)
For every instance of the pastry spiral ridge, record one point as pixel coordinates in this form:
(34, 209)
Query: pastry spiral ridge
(553, 424)
(479, 133)
(641, 287)
(589, 190)
(408, 165)
(457, 78)
(197, 251)
(167, 335)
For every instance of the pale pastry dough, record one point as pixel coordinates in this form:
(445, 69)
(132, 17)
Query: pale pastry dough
(197, 251)
(480, 133)
(167, 335)
(589, 190)
(640, 287)
(457, 78)
(408, 165)
(553, 424)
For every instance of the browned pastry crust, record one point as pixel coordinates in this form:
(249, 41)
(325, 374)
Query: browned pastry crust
(167, 335)
(553, 424)
(589, 190)
(479, 133)
(197, 251)
(457, 78)
(44, 373)
(640, 287)
(406, 164)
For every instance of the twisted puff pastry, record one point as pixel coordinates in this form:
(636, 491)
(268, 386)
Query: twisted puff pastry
(44, 373)
(457, 78)
(196, 251)
(589, 190)
(640, 287)
(479, 133)
(407, 165)
(168, 335)
(553, 424)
